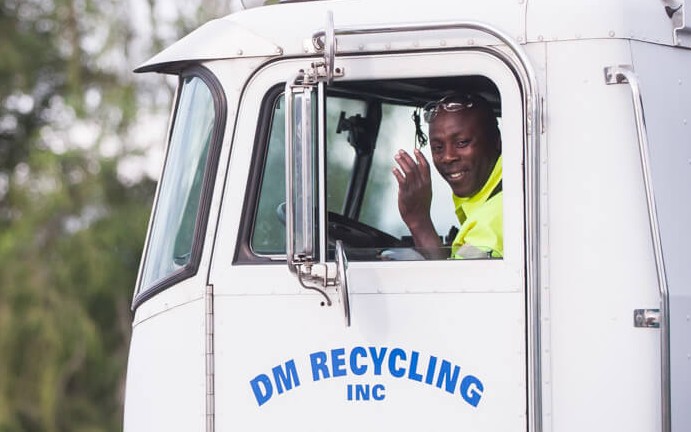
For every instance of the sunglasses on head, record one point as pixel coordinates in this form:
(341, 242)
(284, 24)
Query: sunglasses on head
(452, 103)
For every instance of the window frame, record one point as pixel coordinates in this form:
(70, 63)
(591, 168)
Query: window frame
(244, 254)
(191, 268)
(243, 251)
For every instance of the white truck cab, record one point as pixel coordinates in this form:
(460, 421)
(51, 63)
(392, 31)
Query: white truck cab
(279, 288)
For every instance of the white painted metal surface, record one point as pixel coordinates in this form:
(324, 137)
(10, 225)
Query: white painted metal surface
(246, 33)
(430, 308)
(594, 185)
(592, 19)
(166, 370)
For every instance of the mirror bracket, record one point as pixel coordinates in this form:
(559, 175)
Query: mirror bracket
(319, 282)
(319, 72)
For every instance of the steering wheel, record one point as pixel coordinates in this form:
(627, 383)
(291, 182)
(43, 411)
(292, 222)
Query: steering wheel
(355, 234)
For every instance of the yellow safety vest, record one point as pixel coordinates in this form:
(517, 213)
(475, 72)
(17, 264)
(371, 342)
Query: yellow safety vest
(481, 218)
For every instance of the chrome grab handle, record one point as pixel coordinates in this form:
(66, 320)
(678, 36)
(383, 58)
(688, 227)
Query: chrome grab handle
(625, 75)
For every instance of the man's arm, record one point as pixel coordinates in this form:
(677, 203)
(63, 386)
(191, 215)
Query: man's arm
(415, 201)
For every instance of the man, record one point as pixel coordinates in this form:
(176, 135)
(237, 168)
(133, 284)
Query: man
(466, 150)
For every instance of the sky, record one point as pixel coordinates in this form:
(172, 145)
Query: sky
(145, 141)
(149, 133)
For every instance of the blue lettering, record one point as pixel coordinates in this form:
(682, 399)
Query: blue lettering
(338, 362)
(378, 392)
(286, 377)
(357, 370)
(361, 391)
(396, 372)
(412, 372)
(262, 388)
(401, 363)
(471, 390)
(431, 368)
(318, 362)
(447, 377)
(365, 392)
(377, 359)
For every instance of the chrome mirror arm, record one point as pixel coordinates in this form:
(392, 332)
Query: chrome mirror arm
(310, 281)
(329, 47)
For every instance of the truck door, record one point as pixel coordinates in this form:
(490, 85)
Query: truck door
(431, 344)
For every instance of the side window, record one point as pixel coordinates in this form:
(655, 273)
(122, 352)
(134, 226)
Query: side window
(378, 190)
(367, 123)
(179, 218)
(269, 233)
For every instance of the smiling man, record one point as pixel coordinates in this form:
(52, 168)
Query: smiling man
(466, 150)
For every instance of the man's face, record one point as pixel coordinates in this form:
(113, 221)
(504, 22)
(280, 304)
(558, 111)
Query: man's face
(463, 151)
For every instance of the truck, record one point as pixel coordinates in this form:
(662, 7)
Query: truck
(279, 288)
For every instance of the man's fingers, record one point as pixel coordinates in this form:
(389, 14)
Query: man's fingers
(405, 161)
(409, 167)
(399, 176)
(422, 162)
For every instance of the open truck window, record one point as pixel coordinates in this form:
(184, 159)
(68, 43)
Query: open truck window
(367, 122)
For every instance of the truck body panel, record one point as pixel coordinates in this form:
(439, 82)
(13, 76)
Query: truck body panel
(547, 338)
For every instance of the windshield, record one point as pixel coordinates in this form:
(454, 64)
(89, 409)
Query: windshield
(172, 232)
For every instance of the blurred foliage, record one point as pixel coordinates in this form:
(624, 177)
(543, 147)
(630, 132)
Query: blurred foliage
(71, 227)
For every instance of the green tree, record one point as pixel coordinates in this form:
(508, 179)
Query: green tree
(71, 225)
(72, 217)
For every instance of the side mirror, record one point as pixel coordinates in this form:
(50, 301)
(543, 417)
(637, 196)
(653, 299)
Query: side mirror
(301, 181)
(305, 197)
